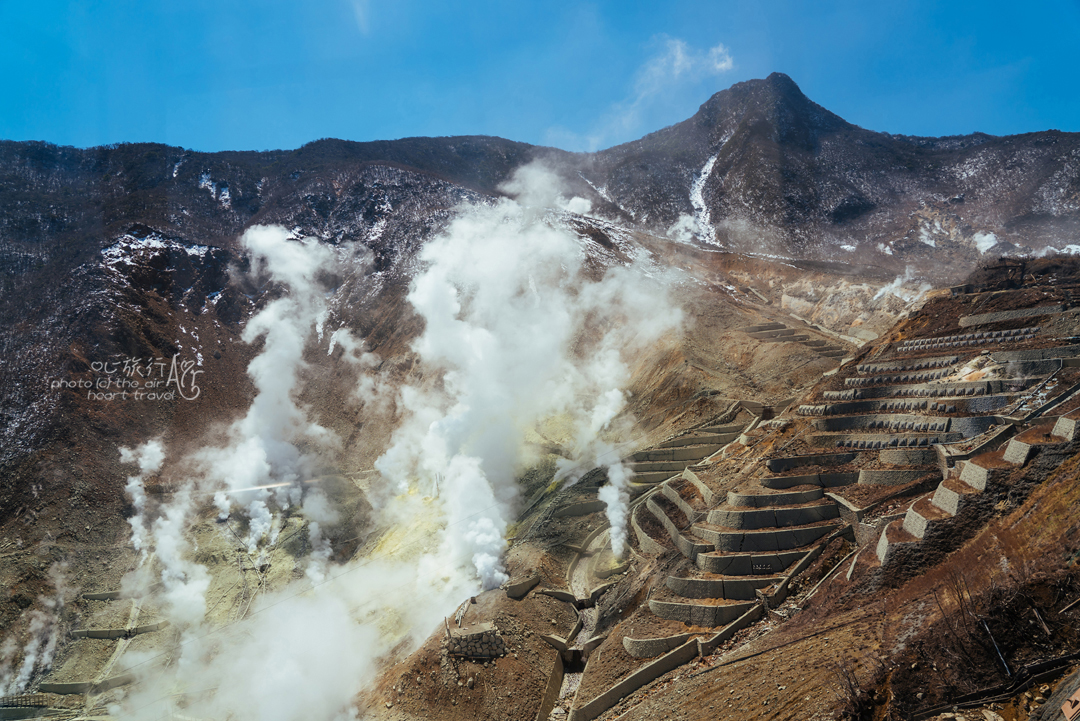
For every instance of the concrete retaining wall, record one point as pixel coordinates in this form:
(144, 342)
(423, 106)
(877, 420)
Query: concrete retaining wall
(1060, 399)
(968, 321)
(899, 366)
(107, 596)
(975, 425)
(556, 642)
(933, 390)
(693, 614)
(886, 548)
(599, 591)
(707, 646)
(804, 563)
(551, 691)
(949, 498)
(825, 480)
(698, 439)
(849, 512)
(1017, 452)
(909, 457)
(1068, 351)
(747, 564)
(645, 542)
(763, 327)
(772, 333)
(649, 647)
(686, 453)
(584, 544)
(786, 339)
(65, 688)
(978, 477)
(883, 440)
(733, 589)
(591, 645)
(779, 595)
(972, 404)
(779, 465)
(891, 477)
(1037, 367)
(112, 633)
(650, 672)
(772, 518)
(518, 589)
(560, 595)
(949, 456)
(777, 540)
(894, 378)
(687, 547)
(706, 492)
(756, 500)
(672, 495)
(734, 428)
(100, 687)
(654, 476)
(578, 625)
(1066, 428)
(881, 420)
(654, 466)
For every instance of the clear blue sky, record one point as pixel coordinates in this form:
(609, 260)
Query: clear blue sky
(277, 74)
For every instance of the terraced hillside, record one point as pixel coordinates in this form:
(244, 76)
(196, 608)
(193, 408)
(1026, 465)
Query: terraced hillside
(835, 528)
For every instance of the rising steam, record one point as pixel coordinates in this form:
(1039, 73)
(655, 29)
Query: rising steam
(521, 333)
(519, 329)
(42, 636)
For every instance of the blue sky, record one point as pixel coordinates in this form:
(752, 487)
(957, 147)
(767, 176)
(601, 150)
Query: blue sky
(581, 76)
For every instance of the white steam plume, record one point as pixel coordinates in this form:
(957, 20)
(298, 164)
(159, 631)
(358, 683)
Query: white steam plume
(373, 389)
(517, 330)
(537, 186)
(263, 444)
(617, 497)
(149, 458)
(520, 333)
(896, 287)
(42, 635)
(298, 654)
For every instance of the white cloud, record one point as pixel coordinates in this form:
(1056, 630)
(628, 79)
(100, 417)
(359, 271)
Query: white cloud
(677, 61)
(362, 12)
(720, 59)
(675, 66)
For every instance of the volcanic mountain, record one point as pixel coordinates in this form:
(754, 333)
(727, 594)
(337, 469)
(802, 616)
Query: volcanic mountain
(792, 242)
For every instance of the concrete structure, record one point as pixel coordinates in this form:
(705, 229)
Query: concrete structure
(480, 641)
(779, 465)
(969, 321)
(650, 647)
(518, 589)
(113, 633)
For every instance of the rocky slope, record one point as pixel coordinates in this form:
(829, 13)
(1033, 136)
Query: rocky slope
(764, 208)
(766, 169)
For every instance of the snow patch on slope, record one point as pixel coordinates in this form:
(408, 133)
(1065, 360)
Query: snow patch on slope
(702, 217)
(128, 245)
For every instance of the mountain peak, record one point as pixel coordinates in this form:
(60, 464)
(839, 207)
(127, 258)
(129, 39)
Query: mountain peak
(775, 106)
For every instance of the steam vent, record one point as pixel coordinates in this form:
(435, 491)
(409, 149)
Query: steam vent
(763, 416)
